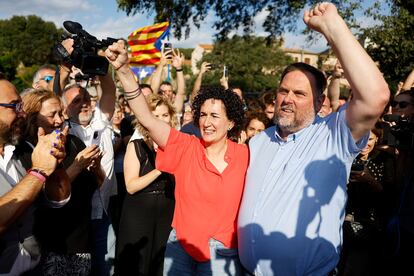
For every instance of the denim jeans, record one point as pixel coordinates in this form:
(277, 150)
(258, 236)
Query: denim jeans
(223, 261)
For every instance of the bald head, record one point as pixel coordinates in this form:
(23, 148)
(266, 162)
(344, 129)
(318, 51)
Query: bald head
(7, 89)
(11, 118)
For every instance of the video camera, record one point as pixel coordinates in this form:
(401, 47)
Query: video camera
(85, 48)
(398, 132)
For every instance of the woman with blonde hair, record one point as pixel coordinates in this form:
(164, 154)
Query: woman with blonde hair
(63, 232)
(148, 207)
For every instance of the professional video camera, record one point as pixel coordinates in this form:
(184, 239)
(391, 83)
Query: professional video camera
(85, 48)
(398, 132)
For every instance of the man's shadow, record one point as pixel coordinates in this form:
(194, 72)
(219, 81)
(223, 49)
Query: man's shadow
(308, 248)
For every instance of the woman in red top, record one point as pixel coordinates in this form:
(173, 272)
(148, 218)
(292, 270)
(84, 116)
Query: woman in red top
(209, 175)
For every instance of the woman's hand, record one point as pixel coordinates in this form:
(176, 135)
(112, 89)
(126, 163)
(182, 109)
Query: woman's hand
(117, 55)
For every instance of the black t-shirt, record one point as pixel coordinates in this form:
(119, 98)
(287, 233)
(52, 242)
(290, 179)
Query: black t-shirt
(127, 129)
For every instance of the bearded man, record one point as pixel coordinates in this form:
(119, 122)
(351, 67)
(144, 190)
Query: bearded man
(293, 206)
(19, 251)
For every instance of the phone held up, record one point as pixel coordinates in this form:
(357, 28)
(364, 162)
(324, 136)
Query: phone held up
(167, 49)
(212, 66)
(225, 72)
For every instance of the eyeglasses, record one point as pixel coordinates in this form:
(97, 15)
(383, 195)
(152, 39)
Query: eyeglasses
(18, 107)
(402, 104)
(47, 78)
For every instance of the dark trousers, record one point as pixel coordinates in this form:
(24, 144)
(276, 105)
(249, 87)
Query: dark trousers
(144, 228)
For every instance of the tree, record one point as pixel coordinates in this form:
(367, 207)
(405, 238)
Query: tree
(7, 66)
(391, 43)
(254, 64)
(28, 39)
(231, 14)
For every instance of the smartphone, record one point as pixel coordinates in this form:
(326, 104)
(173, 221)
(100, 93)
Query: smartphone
(96, 138)
(168, 48)
(212, 66)
(225, 72)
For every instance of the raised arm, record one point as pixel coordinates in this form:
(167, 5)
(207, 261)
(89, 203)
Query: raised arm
(118, 57)
(409, 82)
(334, 86)
(197, 84)
(178, 63)
(370, 91)
(157, 75)
(108, 97)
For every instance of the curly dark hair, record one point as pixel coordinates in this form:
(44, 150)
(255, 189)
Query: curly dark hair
(232, 103)
(258, 115)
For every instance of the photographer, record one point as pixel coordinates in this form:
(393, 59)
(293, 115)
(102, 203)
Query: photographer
(93, 127)
(366, 210)
(401, 225)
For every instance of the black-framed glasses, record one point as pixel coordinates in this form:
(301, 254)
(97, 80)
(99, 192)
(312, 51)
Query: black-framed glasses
(401, 104)
(47, 78)
(18, 107)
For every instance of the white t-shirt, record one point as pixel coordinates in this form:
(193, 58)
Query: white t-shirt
(99, 132)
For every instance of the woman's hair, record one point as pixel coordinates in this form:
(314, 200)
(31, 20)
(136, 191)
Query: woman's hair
(232, 103)
(32, 104)
(153, 101)
(260, 116)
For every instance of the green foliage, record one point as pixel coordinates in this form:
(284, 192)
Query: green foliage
(24, 77)
(253, 64)
(187, 52)
(391, 44)
(8, 65)
(28, 39)
(231, 14)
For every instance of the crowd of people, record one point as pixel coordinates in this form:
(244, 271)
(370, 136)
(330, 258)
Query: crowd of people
(109, 176)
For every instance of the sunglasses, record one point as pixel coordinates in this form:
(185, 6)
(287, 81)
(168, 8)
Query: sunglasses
(402, 104)
(47, 78)
(18, 107)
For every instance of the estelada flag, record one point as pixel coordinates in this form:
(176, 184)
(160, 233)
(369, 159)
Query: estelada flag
(145, 43)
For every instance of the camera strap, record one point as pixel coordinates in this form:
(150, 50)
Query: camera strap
(56, 81)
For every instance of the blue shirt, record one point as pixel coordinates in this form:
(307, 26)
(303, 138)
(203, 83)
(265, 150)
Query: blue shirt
(294, 199)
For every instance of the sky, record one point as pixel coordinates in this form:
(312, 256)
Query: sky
(102, 19)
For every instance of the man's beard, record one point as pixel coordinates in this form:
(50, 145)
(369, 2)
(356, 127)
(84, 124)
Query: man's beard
(10, 135)
(84, 119)
(291, 124)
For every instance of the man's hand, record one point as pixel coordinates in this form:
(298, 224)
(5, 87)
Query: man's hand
(205, 66)
(338, 72)
(178, 59)
(49, 150)
(322, 17)
(68, 44)
(117, 55)
(224, 81)
(86, 157)
(165, 57)
(96, 168)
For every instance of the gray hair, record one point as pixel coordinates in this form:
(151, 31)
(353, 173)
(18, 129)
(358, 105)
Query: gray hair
(36, 76)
